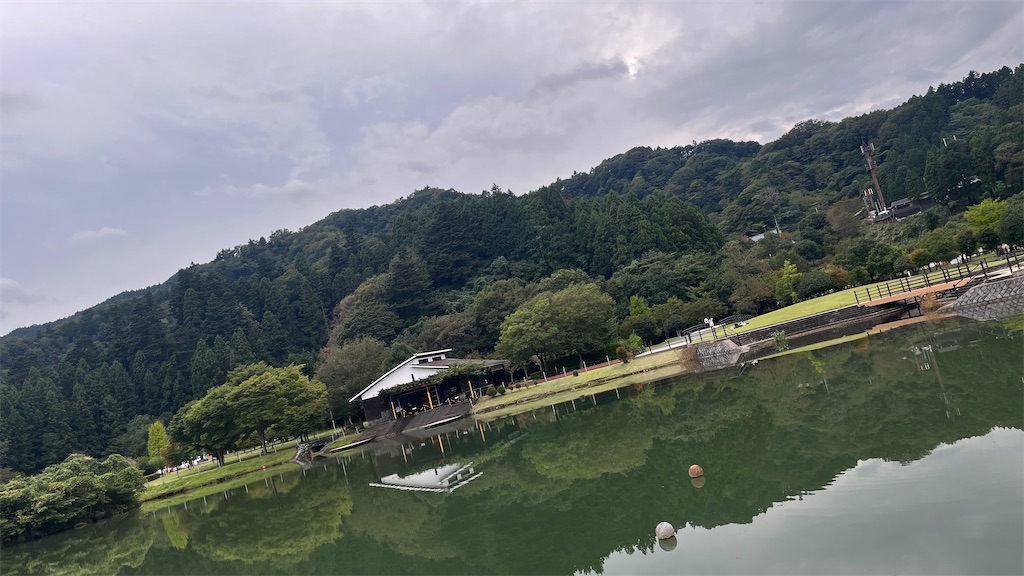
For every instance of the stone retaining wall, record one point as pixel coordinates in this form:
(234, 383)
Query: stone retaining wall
(991, 300)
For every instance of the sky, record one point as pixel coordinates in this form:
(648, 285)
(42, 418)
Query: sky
(138, 137)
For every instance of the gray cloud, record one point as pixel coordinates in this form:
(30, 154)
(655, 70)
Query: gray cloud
(207, 124)
(84, 236)
(583, 73)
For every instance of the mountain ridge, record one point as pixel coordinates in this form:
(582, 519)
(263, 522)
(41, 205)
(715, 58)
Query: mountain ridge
(445, 267)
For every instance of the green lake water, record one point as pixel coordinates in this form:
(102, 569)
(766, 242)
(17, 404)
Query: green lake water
(899, 453)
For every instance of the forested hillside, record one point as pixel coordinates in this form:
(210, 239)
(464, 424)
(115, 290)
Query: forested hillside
(655, 230)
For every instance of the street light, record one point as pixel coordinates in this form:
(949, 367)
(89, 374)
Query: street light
(711, 323)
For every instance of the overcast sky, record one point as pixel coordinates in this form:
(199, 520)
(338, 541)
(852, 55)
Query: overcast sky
(138, 137)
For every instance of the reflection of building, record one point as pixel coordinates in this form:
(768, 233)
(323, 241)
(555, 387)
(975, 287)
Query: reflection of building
(440, 459)
(419, 384)
(444, 478)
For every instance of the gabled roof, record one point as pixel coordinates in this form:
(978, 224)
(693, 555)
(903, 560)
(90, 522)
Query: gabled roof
(389, 372)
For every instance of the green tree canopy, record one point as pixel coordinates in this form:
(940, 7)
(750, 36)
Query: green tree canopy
(158, 443)
(986, 214)
(79, 489)
(349, 368)
(552, 325)
(255, 398)
(1011, 224)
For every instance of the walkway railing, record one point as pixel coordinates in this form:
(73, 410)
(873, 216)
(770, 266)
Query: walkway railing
(937, 276)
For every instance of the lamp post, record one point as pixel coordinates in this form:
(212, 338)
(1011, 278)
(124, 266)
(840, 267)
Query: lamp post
(711, 323)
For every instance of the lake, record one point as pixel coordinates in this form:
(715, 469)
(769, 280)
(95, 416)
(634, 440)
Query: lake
(898, 453)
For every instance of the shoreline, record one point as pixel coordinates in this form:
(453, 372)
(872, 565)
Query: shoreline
(657, 365)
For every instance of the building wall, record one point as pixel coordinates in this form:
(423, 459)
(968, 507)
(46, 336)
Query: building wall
(401, 375)
(374, 408)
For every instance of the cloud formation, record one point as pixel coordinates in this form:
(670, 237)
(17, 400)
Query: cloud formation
(206, 124)
(84, 236)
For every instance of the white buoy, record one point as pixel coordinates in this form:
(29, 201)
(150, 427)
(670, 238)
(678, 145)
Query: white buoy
(664, 531)
(668, 544)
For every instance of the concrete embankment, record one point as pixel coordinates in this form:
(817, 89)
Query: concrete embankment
(992, 300)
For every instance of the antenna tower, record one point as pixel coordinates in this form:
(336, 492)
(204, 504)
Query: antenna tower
(867, 150)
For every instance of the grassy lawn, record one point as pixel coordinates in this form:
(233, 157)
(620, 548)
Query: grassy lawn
(642, 369)
(801, 309)
(210, 475)
(819, 345)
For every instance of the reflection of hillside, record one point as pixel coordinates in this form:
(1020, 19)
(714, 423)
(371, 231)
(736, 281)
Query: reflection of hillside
(107, 549)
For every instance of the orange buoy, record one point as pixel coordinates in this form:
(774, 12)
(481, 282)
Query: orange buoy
(696, 471)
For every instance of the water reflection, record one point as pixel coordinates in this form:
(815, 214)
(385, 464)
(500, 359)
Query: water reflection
(833, 450)
(927, 517)
(446, 478)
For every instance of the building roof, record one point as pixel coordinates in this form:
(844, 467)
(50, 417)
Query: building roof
(423, 365)
(407, 362)
(449, 362)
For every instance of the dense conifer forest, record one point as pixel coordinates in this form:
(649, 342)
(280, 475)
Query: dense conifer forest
(658, 232)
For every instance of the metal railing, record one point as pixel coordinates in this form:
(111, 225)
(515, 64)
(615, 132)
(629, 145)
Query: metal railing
(938, 275)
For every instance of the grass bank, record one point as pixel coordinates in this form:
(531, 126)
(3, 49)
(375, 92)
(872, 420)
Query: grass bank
(643, 369)
(210, 478)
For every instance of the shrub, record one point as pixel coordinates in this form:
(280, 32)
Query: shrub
(149, 465)
(492, 391)
(79, 489)
(813, 283)
(840, 277)
(781, 344)
(622, 353)
(502, 390)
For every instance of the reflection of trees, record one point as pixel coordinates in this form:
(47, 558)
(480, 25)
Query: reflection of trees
(176, 529)
(405, 521)
(103, 549)
(275, 525)
(586, 447)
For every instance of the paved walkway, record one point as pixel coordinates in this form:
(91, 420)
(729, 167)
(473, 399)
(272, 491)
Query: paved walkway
(918, 292)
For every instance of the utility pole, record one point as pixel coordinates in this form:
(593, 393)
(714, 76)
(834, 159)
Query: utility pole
(867, 150)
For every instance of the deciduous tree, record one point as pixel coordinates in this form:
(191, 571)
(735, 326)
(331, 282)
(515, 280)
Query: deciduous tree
(158, 443)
